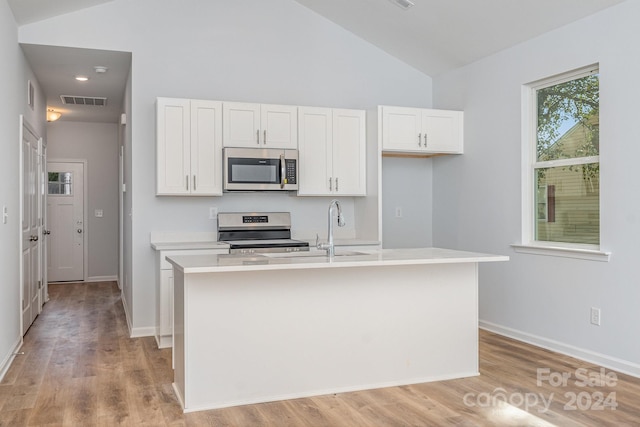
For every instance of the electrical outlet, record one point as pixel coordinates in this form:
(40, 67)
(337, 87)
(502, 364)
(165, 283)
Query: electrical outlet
(398, 212)
(213, 212)
(595, 316)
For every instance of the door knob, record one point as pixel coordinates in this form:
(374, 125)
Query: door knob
(46, 232)
(33, 238)
(79, 230)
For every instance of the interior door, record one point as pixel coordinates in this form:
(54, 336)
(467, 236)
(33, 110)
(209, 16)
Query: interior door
(42, 223)
(65, 208)
(30, 236)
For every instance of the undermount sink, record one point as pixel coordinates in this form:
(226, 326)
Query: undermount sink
(311, 254)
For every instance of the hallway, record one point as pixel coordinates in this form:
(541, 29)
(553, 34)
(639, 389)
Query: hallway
(80, 367)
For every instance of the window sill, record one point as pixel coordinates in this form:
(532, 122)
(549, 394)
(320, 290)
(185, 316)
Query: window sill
(566, 252)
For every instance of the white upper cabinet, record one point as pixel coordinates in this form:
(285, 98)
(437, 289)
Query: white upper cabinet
(188, 147)
(332, 150)
(259, 125)
(419, 130)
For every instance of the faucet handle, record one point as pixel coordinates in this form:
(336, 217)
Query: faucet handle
(321, 245)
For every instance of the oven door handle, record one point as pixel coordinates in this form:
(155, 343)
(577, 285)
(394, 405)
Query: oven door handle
(283, 179)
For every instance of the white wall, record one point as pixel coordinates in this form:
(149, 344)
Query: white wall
(9, 254)
(407, 184)
(272, 52)
(13, 85)
(477, 197)
(97, 143)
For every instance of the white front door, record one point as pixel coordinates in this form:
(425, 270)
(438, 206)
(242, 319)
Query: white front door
(31, 302)
(65, 212)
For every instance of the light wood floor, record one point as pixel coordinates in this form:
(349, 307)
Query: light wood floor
(79, 368)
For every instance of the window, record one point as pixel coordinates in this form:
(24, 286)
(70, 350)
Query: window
(60, 183)
(561, 198)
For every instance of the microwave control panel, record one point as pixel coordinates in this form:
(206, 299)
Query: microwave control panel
(290, 171)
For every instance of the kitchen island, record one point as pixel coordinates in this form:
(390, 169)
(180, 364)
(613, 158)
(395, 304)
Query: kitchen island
(260, 328)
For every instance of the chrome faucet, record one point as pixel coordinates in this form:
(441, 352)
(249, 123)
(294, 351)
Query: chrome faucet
(329, 246)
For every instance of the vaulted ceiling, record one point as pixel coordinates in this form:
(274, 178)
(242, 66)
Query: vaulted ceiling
(433, 36)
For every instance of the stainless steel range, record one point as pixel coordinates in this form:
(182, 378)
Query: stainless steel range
(258, 232)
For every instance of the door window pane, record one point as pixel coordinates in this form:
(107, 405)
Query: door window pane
(61, 183)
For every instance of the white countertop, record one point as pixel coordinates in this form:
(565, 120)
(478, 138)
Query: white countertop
(364, 258)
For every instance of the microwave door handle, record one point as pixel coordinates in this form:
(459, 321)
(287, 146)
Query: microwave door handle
(282, 171)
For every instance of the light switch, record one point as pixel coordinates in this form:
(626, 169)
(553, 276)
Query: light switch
(99, 213)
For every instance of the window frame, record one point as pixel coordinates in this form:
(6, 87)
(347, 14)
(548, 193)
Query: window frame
(528, 243)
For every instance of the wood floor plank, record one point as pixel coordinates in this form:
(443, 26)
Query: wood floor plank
(80, 367)
(83, 402)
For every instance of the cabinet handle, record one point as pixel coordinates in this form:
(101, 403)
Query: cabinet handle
(336, 184)
(330, 184)
(187, 180)
(420, 140)
(258, 136)
(425, 140)
(264, 139)
(194, 183)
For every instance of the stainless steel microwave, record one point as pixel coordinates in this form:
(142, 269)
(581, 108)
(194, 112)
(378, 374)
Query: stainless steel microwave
(260, 169)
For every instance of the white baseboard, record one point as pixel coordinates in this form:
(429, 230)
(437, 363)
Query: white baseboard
(102, 279)
(8, 359)
(148, 331)
(606, 361)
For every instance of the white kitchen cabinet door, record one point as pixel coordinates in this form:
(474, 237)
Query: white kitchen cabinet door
(173, 150)
(189, 147)
(259, 125)
(241, 125)
(206, 147)
(349, 153)
(165, 308)
(332, 154)
(279, 126)
(419, 130)
(442, 131)
(315, 146)
(164, 292)
(401, 128)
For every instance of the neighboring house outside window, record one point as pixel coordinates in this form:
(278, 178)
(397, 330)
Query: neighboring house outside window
(561, 165)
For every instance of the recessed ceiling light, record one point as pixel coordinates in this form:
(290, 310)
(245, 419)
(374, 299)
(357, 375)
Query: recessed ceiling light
(100, 69)
(82, 78)
(405, 4)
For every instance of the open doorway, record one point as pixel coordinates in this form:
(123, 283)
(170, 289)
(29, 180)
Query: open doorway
(88, 131)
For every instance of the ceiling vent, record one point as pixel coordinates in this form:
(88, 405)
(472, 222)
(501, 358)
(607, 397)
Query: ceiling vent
(96, 101)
